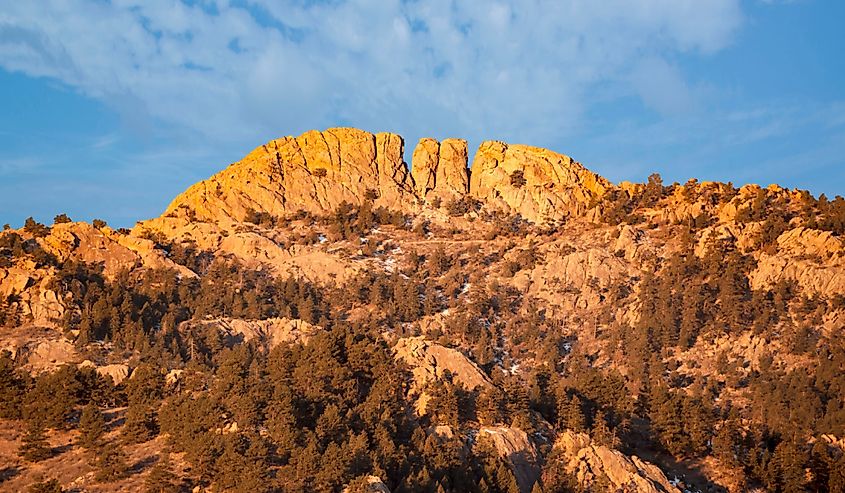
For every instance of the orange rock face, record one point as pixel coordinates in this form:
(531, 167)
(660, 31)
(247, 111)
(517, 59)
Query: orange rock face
(314, 172)
(317, 171)
(536, 183)
(440, 169)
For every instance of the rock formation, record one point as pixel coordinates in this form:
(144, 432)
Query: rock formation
(429, 362)
(535, 183)
(113, 251)
(514, 445)
(268, 333)
(317, 171)
(314, 172)
(590, 462)
(440, 169)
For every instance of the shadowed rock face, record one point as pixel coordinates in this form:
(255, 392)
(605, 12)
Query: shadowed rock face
(317, 171)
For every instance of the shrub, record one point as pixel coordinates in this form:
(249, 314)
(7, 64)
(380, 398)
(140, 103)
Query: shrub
(61, 219)
(465, 204)
(35, 228)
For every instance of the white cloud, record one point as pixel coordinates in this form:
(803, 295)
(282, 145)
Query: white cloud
(518, 70)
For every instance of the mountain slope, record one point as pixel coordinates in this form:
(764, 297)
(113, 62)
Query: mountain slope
(447, 327)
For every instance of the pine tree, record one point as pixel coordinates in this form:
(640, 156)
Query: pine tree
(161, 478)
(575, 419)
(34, 446)
(505, 479)
(12, 386)
(141, 424)
(791, 460)
(725, 444)
(602, 433)
(489, 406)
(484, 352)
(111, 463)
(91, 427)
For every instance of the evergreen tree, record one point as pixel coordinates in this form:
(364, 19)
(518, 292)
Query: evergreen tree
(791, 460)
(602, 433)
(141, 424)
(111, 463)
(34, 446)
(91, 427)
(575, 419)
(161, 478)
(505, 479)
(54, 397)
(489, 406)
(726, 444)
(12, 387)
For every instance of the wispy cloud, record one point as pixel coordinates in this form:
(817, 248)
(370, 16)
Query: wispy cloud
(509, 69)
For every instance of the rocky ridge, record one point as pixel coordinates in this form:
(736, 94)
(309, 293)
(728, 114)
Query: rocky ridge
(317, 171)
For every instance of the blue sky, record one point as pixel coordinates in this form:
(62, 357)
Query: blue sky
(109, 109)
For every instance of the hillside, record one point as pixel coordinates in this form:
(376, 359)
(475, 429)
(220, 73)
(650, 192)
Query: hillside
(320, 317)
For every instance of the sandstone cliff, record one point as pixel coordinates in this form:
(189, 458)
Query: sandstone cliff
(514, 446)
(112, 250)
(430, 362)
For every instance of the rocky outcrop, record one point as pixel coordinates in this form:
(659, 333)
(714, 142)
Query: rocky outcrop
(38, 350)
(538, 184)
(117, 372)
(812, 276)
(14, 281)
(440, 169)
(514, 446)
(314, 172)
(103, 246)
(430, 362)
(317, 171)
(268, 333)
(813, 259)
(368, 484)
(34, 301)
(590, 462)
(811, 242)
